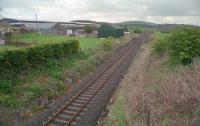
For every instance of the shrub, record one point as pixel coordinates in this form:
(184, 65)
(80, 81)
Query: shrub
(183, 44)
(88, 29)
(15, 61)
(160, 47)
(107, 44)
(6, 87)
(137, 30)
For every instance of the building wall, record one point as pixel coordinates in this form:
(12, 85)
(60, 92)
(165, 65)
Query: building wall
(106, 31)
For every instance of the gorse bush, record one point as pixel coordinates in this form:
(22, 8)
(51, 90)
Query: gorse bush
(107, 44)
(137, 30)
(182, 45)
(16, 61)
(160, 47)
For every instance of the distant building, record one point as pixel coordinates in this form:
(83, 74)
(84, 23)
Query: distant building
(5, 27)
(69, 28)
(106, 31)
(45, 27)
(40, 27)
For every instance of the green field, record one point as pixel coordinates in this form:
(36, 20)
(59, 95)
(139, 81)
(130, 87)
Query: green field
(85, 42)
(4, 48)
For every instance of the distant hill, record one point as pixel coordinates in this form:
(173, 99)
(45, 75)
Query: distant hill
(89, 21)
(129, 23)
(9, 20)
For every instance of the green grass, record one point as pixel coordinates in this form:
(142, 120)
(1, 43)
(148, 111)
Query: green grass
(161, 35)
(117, 112)
(85, 42)
(4, 48)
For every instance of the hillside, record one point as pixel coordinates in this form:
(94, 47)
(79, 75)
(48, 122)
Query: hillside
(136, 23)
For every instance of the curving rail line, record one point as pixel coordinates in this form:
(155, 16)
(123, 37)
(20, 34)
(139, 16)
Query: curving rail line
(72, 109)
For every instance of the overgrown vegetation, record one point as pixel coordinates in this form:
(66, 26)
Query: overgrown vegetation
(157, 94)
(182, 45)
(137, 30)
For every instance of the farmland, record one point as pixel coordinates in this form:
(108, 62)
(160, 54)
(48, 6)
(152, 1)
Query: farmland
(39, 39)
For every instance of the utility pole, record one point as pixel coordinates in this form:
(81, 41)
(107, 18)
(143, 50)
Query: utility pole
(36, 23)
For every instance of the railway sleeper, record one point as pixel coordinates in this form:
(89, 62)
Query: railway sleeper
(79, 101)
(73, 107)
(94, 88)
(89, 92)
(76, 104)
(60, 121)
(83, 98)
(67, 117)
(86, 95)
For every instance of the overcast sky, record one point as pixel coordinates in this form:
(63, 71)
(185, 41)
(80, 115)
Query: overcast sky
(158, 11)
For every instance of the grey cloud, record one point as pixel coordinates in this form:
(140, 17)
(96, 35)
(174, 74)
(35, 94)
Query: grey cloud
(104, 10)
(154, 7)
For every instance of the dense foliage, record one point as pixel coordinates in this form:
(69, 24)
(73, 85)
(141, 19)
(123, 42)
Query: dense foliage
(137, 30)
(182, 45)
(13, 62)
(88, 29)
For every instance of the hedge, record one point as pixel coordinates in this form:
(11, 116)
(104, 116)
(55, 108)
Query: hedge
(16, 61)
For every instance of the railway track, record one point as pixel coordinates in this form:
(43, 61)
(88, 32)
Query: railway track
(71, 111)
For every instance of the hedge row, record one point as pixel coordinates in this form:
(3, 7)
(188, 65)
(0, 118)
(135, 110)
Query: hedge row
(16, 61)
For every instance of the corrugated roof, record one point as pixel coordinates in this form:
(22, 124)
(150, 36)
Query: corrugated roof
(117, 27)
(32, 25)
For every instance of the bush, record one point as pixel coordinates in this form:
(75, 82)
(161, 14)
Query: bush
(107, 44)
(88, 29)
(6, 87)
(15, 61)
(160, 47)
(183, 44)
(137, 30)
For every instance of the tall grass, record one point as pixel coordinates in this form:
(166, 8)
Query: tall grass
(157, 96)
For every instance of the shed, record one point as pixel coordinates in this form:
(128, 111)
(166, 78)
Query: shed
(106, 31)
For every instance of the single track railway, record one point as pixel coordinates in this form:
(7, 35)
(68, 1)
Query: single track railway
(70, 112)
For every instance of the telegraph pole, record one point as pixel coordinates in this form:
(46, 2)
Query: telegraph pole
(36, 23)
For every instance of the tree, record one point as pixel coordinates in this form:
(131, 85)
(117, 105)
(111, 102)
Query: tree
(88, 29)
(137, 30)
(126, 29)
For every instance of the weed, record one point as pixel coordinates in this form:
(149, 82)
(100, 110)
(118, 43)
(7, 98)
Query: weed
(6, 86)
